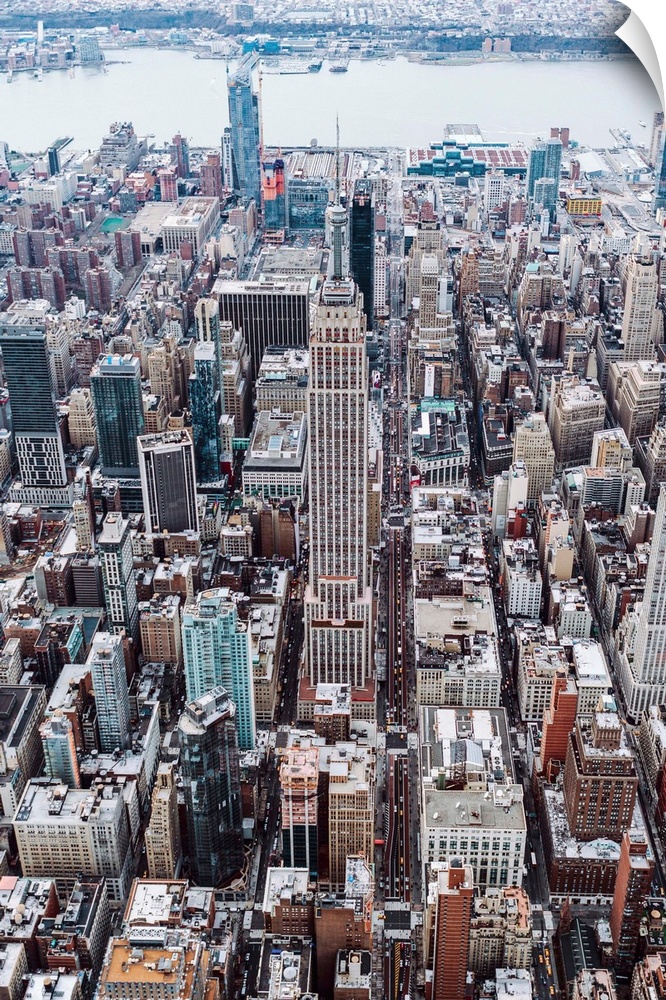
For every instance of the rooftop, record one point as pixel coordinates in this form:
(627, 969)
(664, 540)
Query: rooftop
(155, 903)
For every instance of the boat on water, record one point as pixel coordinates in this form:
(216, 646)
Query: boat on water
(38, 74)
(10, 76)
(642, 124)
(339, 67)
(314, 67)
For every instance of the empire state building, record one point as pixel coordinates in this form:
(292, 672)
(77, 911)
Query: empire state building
(338, 599)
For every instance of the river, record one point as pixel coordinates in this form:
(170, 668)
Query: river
(397, 102)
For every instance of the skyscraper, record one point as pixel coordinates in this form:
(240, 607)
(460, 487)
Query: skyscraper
(632, 887)
(211, 176)
(229, 177)
(210, 770)
(118, 401)
(351, 809)
(362, 243)
(115, 553)
(338, 601)
(545, 161)
(641, 321)
(273, 189)
(642, 646)
(168, 481)
(245, 115)
(217, 651)
(600, 782)
(532, 445)
(31, 382)
(205, 407)
(109, 679)
(60, 759)
(180, 153)
(163, 847)
(299, 786)
(659, 198)
(207, 322)
(268, 312)
(447, 929)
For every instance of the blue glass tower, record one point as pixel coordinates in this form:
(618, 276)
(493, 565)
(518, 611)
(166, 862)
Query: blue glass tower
(244, 115)
(115, 382)
(205, 407)
(545, 161)
(216, 650)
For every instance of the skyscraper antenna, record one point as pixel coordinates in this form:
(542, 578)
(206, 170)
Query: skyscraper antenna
(337, 160)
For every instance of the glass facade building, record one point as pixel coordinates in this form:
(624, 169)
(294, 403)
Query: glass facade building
(115, 382)
(210, 771)
(244, 115)
(362, 244)
(30, 379)
(216, 651)
(205, 408)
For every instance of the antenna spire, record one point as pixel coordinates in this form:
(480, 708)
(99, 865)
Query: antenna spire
(337, 160)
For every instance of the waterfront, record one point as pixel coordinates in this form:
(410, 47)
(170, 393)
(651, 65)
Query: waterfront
(396, 103)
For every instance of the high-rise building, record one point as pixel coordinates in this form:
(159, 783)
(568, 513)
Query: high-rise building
(115, 552)
(61, 831)
(81, 419)
(207, 323)
(205, 407)
(577, 409)
(600, 782)
(60, 757)
(109, 680)
(651, 460)
(659, 198)
(533, 446)
(211, 176)
(180, 154)
(642, 322)
(168, 481)
(117, 398)
(633, 396)
(632, 887)
(163, 847)
(338, 602)
(343, 920)
(160, 629)
(268, 312)
(229, 176)
(642, 648)
(31, 382)
(362, 244)
(493, 190)
(245, 119)
(545, 162)
(217, 651)
(210, 770)
(299, 788)
(501, 931)
(447, 930)
(273, 190)
(351, 808)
